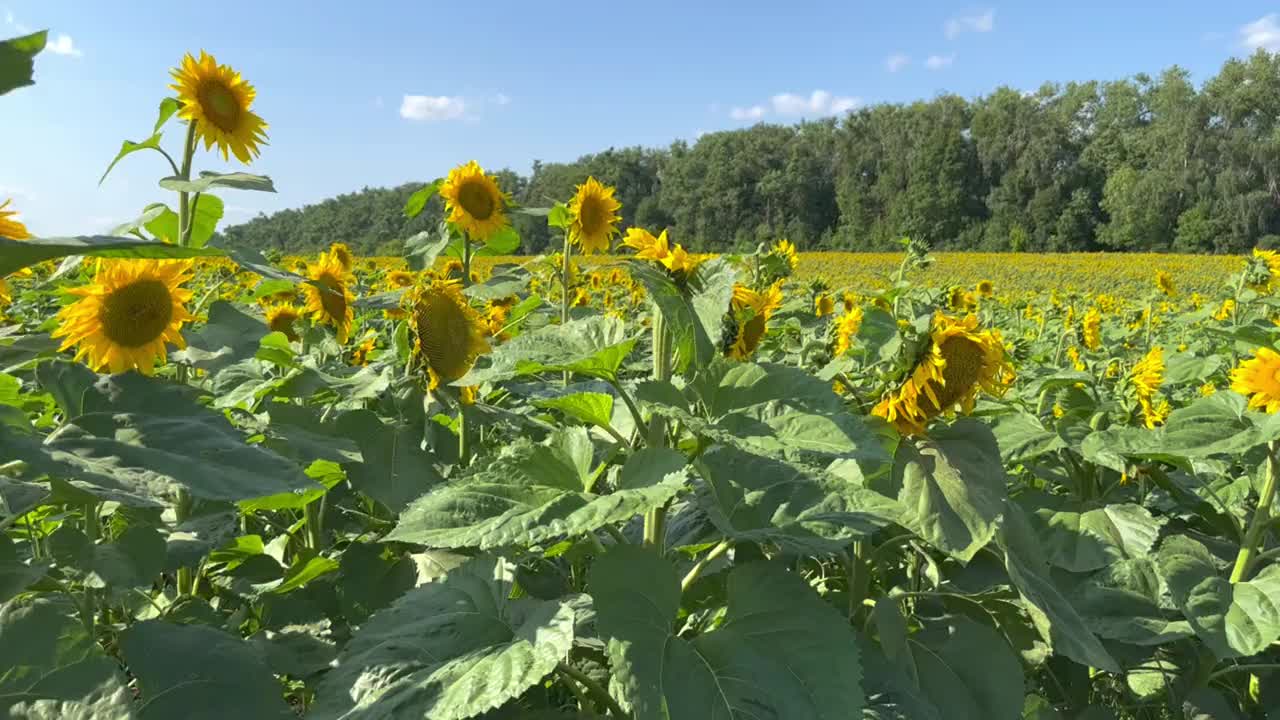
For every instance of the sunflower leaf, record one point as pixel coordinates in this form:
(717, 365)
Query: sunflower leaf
(594, 346)
(17, 254)
(207, 180)
(418, 200)
(17, 65)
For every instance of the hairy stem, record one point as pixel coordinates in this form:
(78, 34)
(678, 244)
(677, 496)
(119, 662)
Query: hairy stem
(1246, 559)
(696, 571)
(593, 688)
(184, 199)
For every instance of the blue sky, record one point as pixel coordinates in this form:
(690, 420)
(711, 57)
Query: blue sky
(382, 92)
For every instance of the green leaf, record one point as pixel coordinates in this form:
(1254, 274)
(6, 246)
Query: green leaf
(1122, 602)
(207, 180)
(1053, 616)
(960, 685)
(1233, 620)
(531, 494)
(1092, 539)
(395, 469)
(448, 650)
(559, 216)
(200, 673)
(593, 346)
(229, 336)
(421, 250)
(372, 579)
(1185, 367)
(780, 651)
(589, 407)
(504, 242)
(754, 498)
(168, 107)
(953, 486)
(17, 65)
(207, 211)
(129, 147)
(1216, 425)
(693, 313)
(418, 200)
(15, 575)
(1021, 438)
(17, 254)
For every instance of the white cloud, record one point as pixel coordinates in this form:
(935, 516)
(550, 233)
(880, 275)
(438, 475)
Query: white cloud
(1262, 33)
(938, 62)
(755, 112)
(897, 61)
(62, 45)
(980, 23)
(429, 107)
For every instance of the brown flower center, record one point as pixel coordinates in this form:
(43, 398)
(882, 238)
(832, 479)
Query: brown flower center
(137, 313)
(475, 198)
(964, 367)
(220, 106)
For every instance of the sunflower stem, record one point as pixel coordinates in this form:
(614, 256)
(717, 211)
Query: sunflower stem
(564, 290)
(184, 198)
(181, 511)
(1245, 559)
(91, 530)
(655, 520)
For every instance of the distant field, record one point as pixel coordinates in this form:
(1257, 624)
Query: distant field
(1112, 273)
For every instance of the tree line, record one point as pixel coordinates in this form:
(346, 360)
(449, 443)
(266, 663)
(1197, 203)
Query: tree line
(1142, 164)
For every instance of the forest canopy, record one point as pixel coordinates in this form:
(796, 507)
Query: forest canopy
(1144, 164)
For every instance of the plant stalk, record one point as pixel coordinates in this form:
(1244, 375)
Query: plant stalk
(313, 513)
(464, 439)
(565, 269)
(91, 530)
(1246, 559)
(696, 571)
(181, 511)
(655, 520)
(184, 199)
(593, 688)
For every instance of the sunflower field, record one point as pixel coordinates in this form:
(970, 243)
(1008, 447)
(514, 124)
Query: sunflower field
(623, 480)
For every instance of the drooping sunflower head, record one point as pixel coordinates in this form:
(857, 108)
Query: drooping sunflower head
(282, 319)
(594, 216)
(960, 299)
(363, 351)
(959, 361)
(824, 305)
(217, 100)
(1164, 282)
(474, 202)
(329, 297)
(1258, 379)
(342, 253)
(751, 313)
(125, 317)
(448, 334)
(1148, 374)
(985, 288)
(786, 250)
(1091, 329)
(9, 227)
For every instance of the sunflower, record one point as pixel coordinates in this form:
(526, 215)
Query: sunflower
(959, 361)
(1264, 270)
(329, 297)
(1148, 374)
(1258, 379)
(1073, 353)
(850, 301)
(360, 355)
(6, 296)
(960, 299)
(474, 202)
(342, 253)
(1091, 329)
(126, 315)
(1164, 283)
(659, 250)
(217, 100)
(448, 334)
(824, 305)
(752, 311)
(846, 328)
(1154, 415)
(281, 319)
(985, 288)
(786, 250)
(1209, 388)
(9, 227)
(594, 216)
(397, 279)
(1226, 310)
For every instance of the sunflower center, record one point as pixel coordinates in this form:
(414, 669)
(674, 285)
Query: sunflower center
(220, 106)
(592, 216)
(444, 334)
(332, 297)
(752, 332)
(475, 198)
(136, 314)
(964, 367)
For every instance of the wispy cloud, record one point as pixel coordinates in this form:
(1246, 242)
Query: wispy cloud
(938, 62)
(818, 103)
(1262, 33)
(897, 61)
(432, 107)
(979, 23)
(62, 45)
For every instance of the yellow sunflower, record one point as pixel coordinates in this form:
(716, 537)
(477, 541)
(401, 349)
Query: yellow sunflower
(342, 253)
(824, 305)
(594, 216)
(1270, 260)
(330, 303)
(1226, 310)
(1148, 374)
(448, 334)
(1258, 379)
(126, 315)
(9, 227)
(659, 250)
(397, 279)
(960, 361)
(786, 250)
(1164, 283)
(474, 202)
(281, 319)
(752, 311)
(217, 100)
(985, 288)
(360, 355)
(1091, 329)
(846, 329)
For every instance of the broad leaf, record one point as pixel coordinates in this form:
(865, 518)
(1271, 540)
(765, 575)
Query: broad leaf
(958, 684)
(229, 336)
(594, 346)
(17, 254)
(209, 180)
(395, 469)
(17, 61)
(1092, 539)
(693, 312)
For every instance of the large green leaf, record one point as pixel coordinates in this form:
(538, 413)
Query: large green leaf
(147, 438)
(1054, 618)
(209, 180)
(1122, 601)
(206, 212)
(229, 336)
(1021, 437)
(961, 686)
(168, 107)
(804, 510)
(51, 667)
(418, 200)
(952, 484)
(200, 673)
(1080, 541)
(1216, 425)
(17, 254)
(17, 61)
(1233, 620)
(588, 407)
(694, 311)
(448, 650)
(532, 493)
(395, 468)
(593, 346)
(781, 651)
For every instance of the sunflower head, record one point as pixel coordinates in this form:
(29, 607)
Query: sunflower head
(751, 313)
(959, 361)
(1258, 379)
(448, 334)
(1164, 282)
(1091, 329)
(329, 297)
(786, 250)
(361, 353)
(824, 305)
(1148, 374)
(125, 317)
(9, 227)
(474, 202)
(282, 319)
(1262, 270)
(985, 288)
(217, 100)
(397, 279)
(846, 329)
(342, 253)
(594, 217)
